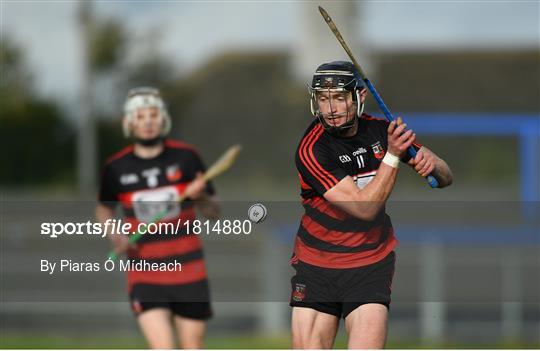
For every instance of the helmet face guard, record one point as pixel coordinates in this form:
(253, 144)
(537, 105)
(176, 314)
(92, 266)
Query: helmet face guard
(145, 97)
(336, 77)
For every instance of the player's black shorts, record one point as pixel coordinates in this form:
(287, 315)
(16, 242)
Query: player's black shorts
(186, 300)
(340, 291)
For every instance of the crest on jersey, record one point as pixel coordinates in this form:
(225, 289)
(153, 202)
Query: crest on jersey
(378, 150)
(299, 293)
(173, 173)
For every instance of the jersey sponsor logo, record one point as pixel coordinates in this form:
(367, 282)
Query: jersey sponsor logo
(360, 151)
(345, 158)
(299, 293)
(363, 179)
(378, 150)
(130, 178)
(147, 204)
(173, 173)
(151, 176)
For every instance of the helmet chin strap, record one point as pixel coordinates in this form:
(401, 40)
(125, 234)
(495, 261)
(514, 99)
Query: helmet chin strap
(337, 130)
(149, 142)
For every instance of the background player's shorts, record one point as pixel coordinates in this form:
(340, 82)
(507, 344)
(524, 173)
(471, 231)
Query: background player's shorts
(340, 291)
(186, 300)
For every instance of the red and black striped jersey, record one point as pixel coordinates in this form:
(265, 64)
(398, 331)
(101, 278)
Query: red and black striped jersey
(328, 236)
(147, 187)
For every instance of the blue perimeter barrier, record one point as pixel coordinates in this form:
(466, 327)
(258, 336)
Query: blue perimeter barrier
(524, 126)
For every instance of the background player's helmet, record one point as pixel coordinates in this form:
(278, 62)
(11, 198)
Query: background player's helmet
(145, 97)
(336, 76)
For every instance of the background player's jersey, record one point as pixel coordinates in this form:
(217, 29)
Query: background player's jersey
(146, 187)
(327, 236)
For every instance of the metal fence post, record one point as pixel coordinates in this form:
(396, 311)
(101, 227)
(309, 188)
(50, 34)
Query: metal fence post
(432, 305)
(512, 313)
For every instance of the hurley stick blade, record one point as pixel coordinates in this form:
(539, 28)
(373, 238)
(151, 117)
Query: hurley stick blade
(223, 163)
(336, 32)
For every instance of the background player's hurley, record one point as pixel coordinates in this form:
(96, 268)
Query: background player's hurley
(221, 165)
(411, 151)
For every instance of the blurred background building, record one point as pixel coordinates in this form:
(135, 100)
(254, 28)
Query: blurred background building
(464, 74)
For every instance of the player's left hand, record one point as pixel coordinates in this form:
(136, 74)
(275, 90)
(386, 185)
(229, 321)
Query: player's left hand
(424, 162)
(196, 188)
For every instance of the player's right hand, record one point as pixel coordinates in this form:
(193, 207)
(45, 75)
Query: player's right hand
(196, 188)
(398, 141)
